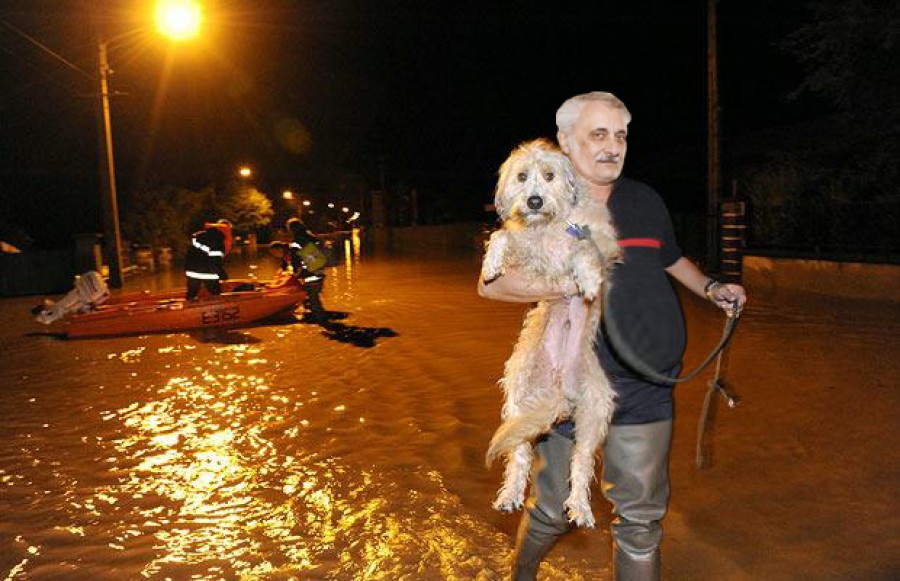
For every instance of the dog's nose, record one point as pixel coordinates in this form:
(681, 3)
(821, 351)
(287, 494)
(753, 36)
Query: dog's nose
(535, 202)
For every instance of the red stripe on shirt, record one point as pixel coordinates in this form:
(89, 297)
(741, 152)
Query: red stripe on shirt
(640, 242)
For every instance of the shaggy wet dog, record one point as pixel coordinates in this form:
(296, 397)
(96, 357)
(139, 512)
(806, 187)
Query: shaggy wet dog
(553, 231)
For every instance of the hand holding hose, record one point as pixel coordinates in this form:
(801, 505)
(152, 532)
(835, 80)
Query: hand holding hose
(727, 296)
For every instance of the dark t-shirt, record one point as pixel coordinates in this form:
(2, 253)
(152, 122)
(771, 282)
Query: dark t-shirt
(643, 326)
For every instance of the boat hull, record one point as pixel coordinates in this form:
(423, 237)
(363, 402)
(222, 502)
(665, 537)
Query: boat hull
(170, 311)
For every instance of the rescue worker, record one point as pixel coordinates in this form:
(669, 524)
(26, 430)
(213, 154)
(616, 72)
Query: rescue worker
(204, 262)
(308, 261)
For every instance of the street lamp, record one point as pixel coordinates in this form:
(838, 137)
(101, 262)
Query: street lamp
(245, 171)
(179, 20)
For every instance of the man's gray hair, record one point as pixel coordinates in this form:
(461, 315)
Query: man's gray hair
(568, 113)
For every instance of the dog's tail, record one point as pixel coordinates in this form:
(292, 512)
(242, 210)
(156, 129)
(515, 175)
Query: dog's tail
(525, 426)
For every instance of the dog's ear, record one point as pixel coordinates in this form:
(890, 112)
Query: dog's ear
(572, 182)
(499, 207)
(502, 180)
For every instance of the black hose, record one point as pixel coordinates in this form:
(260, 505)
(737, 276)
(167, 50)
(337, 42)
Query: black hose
(733, 314)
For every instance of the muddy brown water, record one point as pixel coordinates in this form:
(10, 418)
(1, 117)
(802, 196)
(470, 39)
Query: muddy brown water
(354, 449)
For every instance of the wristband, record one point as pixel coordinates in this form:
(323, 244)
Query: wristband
(710, 287)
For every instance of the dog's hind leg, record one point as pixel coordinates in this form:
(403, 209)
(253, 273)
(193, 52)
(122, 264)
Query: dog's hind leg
(518, 465)
(578, 504)
(592, 416)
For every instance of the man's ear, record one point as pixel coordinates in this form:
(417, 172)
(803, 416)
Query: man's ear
(563, 145)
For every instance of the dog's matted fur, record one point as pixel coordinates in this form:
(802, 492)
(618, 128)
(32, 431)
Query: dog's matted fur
(551, 231)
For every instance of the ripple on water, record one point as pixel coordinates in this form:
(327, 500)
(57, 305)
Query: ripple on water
(294, 455)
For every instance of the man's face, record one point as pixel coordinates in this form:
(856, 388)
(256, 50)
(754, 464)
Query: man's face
(597, 143)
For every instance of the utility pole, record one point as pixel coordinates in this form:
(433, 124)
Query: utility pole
(713, 185)
(110, 206)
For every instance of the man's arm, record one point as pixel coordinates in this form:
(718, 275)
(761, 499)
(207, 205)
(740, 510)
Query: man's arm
(515, 287)
(723, 295)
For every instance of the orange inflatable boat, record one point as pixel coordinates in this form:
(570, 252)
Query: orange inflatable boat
(242, 302)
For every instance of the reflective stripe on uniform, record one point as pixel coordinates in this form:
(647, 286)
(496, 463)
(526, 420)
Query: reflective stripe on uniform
(295, 245)
(209, 251)
(201, 275)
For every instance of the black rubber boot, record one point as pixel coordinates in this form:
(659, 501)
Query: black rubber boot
(628, 567)
(636, 482)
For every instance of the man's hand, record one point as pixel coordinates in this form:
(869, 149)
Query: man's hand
(726, 296)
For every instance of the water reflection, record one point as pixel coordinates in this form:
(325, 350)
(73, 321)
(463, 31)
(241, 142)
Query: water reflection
(214, 470)
(202, 454)
(272, 454)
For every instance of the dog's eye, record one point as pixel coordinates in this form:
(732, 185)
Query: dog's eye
(522, 177)
(549, 176)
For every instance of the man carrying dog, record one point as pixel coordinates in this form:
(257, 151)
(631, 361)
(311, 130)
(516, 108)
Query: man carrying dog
(642, 328)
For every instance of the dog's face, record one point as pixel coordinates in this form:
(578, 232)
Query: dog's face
(536, 185)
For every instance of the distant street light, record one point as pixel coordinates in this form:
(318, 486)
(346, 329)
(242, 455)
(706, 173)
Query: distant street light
(287, 195)
(179, 19)
(245, 172)
(183, 21)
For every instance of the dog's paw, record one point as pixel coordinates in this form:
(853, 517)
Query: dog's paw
(490, 273)
(579, 511)
(509, 499)
(588, 285)
(509, 505)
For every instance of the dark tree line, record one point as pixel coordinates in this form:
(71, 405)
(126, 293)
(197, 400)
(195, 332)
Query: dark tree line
(166, 215)
(835, 186)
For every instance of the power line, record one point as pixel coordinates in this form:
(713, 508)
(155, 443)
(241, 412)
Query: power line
(46, 49)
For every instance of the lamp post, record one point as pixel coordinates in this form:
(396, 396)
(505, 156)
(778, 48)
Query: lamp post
(179, 20)
(713, 183)
(108, 175)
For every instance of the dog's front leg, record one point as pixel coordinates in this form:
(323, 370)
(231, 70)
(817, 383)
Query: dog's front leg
(492, 266)
(587, 269)
(518, 466)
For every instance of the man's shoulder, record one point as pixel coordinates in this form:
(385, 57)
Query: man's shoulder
(635, 187)
(211, 236)
(215, 233)
(632, 195)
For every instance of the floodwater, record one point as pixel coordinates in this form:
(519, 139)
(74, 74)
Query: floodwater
(354, 449)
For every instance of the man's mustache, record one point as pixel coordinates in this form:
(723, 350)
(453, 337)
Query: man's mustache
(607, 158)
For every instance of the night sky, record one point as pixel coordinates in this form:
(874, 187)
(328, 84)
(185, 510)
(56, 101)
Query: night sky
(435, 93)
